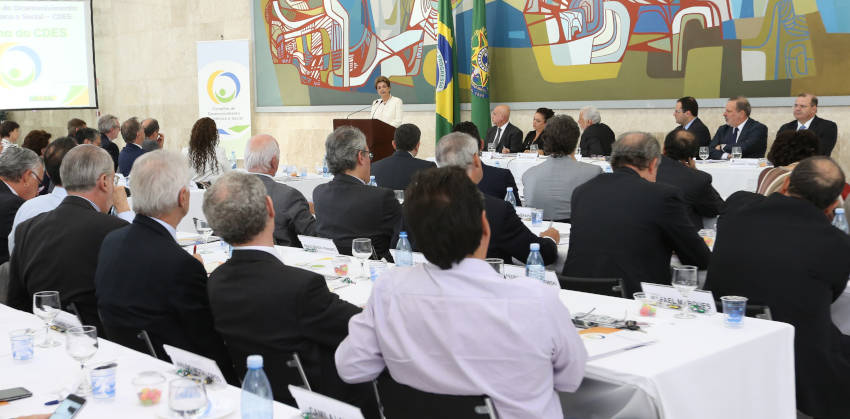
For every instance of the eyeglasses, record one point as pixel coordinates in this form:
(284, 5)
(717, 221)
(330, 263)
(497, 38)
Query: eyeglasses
(371, 156)
(37, 179)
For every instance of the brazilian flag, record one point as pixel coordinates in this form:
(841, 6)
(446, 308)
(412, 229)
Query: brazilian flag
(480, 69)
(446, 97)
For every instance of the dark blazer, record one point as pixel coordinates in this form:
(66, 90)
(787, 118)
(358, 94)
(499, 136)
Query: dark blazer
(700, 197)
(347, 209)
(395, 171)
(782, 252)
(110, 148)
(495, 182)
(167, 298)
(57, 250)
(596, 140)
(700, 132)
(128, 156)
(510, 238)
(291, 213)
(826, 131)
(9, 204)
(529, 140)
(624, 226)
(752, 140)
(511, 138)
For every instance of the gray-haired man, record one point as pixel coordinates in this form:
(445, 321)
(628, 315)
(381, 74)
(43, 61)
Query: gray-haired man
(21, 171)
(109, 128)
(596, 137)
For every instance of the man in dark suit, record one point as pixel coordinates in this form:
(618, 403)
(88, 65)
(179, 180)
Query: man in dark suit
(395, 171)
(506, 137)
(292, 212)
(685, 113)
(348, 208)
(154, 139)
(109, 129)
(636, 244)
(596, 137)
(57, 250)
(805, 117)
(145, 280)
(21, 171)
(677, 168)
(740, 131)
(496, 180)
(134, 135)
(781, 251)
(262, 306)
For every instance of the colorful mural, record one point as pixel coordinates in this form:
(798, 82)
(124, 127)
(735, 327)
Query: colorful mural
(329, 52)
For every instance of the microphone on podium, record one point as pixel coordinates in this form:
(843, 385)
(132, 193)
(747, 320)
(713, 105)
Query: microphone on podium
(362, 109)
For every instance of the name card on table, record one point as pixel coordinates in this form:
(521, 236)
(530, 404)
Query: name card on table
(195, 364)
(65, 320)
(417, 257)
(321, 406)
(515, 271)
(527, 156)
(744, 162)
(524, 213)
(318, 244)
(666, 294)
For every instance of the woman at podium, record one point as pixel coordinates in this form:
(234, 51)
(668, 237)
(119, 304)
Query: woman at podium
(388, 107)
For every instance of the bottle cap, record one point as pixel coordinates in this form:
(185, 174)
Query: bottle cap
(255, 361)
(510, 188)
(402, 234)
(535, 246)
(839, 210)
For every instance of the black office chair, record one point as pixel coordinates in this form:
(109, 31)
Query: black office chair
(604, 286)
(399, 401)
(282, 369)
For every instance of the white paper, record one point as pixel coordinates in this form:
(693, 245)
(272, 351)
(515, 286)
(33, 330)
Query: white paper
(599, 345)
(524, 212)
(417, 257)
(197, 364)
(669, 295)
(323, 406)
(527, 156)
(66, 320)
(515, 271)
(318, 244)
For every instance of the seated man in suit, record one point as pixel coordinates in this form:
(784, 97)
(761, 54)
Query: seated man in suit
(677, 168)
(87, 136)
(739, 131)
(506, 137)
(596, 137)
(292, 212)
(153, 138)
(608, 241)
(348, 208)
(685, 113)
(510, 238)
(518, 344)
(57, 250)
(145, 280)
(805, 117)
(262, 306)
(395, 171)
(781, 251)
(496, 180)
(21, 171)
(109, 129)
(134, 135)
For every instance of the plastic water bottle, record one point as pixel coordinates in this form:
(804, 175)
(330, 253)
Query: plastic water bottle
(404, 253)
(372, 181)
(840, 221)
(233, 160)
(325, 168)
(534, 266)
(509, 197)
(256, 391)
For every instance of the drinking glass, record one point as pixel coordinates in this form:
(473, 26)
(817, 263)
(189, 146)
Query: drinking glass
(497, 265)
(203, 228)
(491, 147)
(46, 305)
(81, 344)
(399, 195)
(703, 153)
(187, 398)
(362, 249)
(533, 148)
(578, 153)
(685, 281)
(736, 152)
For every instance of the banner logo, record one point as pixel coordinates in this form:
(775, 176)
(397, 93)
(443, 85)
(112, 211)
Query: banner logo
(19, 65)
(223, 87)
(479, 79)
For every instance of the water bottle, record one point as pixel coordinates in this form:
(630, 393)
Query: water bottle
(325, 168)
(256, 391)
(404, 253)
(509, 197)
(840, 221)
(372, 181)
(534, 266)
(233, 160)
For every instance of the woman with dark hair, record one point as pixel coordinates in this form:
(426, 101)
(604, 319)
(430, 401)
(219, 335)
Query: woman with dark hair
(9, 133)
(387, 107)
(37, 140)
(206, 159)
(535, 137)
(788, 149)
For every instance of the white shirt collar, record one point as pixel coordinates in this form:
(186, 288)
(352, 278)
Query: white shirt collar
(167, 226)
(268, 249)
(96, 208)
(138, 146)
(807, 124)
(59, 192)
(358, 179)
(262, 174)
(502, 127)
(11, 188)
(688, 125)
(741, 127)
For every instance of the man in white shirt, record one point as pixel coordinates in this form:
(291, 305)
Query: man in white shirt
(454, 326)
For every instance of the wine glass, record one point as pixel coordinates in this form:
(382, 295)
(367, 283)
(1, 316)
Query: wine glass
(187, 398)
(685, 281)
(362, 249)
(203, 228)
(703, 153)
(81, 344)
(46, 305)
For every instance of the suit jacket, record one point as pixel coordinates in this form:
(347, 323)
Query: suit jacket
(110, 148)
(291, 213)
(495, 182)
(700, 197)
(167, 298)
(782, 252)
(510, 139)
(150, 145)
(529, 140)
(128, 156)
(596, 140)
(826, 131)
(510, 238)
(549, 185)
(607, 241)
(752, 140)
(57, 250)
(9, 204)
(395, 171)
(347, 209)
(701, 132)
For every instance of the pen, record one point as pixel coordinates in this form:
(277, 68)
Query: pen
(195, 249)
(51, 403)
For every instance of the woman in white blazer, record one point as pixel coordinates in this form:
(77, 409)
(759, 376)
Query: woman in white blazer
(387, 108)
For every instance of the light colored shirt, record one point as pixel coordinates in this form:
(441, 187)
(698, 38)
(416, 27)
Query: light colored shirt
(213, 169)
(550, 185)
(268, 249)
(467, 331)
(500, 131)
(171, 230)
(807, 124)
(740, 128)
(389, 111)
(688, 125)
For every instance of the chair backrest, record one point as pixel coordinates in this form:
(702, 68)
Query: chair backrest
(399, 401)
(604, 286)
(282, 369)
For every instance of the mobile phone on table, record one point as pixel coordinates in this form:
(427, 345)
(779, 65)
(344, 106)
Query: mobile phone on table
(69, 407)
(16, 393)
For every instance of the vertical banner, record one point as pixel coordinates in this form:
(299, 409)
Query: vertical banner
(224, 91)
(446, 95)
(480, 68)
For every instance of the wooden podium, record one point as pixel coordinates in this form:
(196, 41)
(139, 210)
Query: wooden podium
(379, 135)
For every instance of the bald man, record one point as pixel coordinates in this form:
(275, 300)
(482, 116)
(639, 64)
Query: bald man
(505, 136)
(292, 212)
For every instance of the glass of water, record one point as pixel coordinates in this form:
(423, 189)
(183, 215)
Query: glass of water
(399, 196)
(703, 153)
(533, 148)
(187, 398)
(203, 228)
(491, 147)
(736, 152)
(362, 249)
(685, 281)
(578, 153)
(46, 305)
(81, 344)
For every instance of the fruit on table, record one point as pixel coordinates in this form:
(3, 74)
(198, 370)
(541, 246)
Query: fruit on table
(149, 396)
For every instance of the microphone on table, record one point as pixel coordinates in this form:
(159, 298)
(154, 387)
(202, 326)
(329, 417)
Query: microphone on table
(362, 109)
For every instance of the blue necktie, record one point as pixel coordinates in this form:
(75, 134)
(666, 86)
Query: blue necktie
(802, 127)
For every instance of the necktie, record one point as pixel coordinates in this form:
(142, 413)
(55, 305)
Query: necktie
(735, 136)
(498, 137)
(802, 127)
